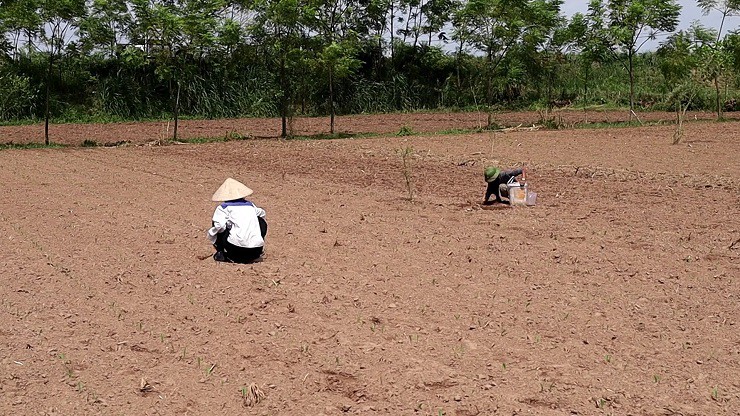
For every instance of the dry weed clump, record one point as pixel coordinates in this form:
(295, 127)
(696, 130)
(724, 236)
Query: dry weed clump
(252, 395)
(406, 154)
(145, 387)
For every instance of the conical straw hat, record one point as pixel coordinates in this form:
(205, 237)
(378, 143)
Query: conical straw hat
(231, 189)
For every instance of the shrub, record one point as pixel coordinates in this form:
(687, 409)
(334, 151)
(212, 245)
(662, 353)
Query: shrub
(17, 97)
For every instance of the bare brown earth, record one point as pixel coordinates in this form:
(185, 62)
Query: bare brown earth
(617, 294)
(144, 132)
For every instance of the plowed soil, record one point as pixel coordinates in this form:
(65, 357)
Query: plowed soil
(617, 294)
(138, 133)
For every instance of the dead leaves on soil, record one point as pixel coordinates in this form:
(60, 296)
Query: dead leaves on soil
(145, 387)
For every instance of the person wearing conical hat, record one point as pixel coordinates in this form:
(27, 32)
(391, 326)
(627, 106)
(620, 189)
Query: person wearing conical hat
(239, 226)
(497, 180)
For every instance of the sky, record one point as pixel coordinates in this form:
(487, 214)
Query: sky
(690, 12)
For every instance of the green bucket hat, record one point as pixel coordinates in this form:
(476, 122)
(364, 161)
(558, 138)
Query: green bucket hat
(491, 173)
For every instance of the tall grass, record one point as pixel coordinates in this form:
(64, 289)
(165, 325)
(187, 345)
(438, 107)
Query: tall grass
(18, 97)
(92, 88)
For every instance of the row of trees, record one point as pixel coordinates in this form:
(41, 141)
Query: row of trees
(214, 58)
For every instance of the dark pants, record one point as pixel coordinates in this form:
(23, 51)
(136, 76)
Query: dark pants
(236, 254)
(228, 252)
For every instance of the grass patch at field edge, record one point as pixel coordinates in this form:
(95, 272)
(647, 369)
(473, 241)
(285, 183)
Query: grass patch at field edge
(11, 145)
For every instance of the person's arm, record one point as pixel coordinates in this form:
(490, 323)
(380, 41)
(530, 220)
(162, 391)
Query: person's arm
(220, 218)
(490, 190)
(506, 175)
(260, 212)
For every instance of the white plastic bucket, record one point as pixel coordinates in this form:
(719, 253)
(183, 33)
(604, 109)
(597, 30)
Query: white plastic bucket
(517, 193)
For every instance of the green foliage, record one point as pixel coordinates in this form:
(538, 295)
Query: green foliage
(17, 97)
(405, 131)
(340, 58)
(496, 27)
(732, 45)
(11, 145)
(152, 59)
(726, 8)
(370, 97)
(631, 23)
(104, 26)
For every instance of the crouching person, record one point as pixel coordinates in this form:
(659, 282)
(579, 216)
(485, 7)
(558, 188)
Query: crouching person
(497, 180)
(239, 226)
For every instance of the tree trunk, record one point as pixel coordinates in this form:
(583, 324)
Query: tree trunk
(725, 13)
(177, 111)
(678, 134)
(396, 100)
(719, 104)
(632, 85)
(550, 82)
(489, 87)
(458, 63)
(47, 110)
(379, 59)
(393, 35)
(283, 124)
(283, 101)
(417, 27)
(585, 87)
(29, 43)
(331, 99)
(331, 79)
(489, 84)
(406, 30)
(16, 53)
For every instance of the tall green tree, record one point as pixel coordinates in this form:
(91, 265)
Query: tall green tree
(20, 24)
(496, 27)
(177, 34)
(424, 18)
(732, 45)
(726, 8)
(4, 29)
(715, 62)
(547, 44)
(337, 23)
(438, 14)
(409, 14)
(339, 61)
(200, 27)
(60, 20)
(632, 23)
(461, 34)
(280, 30)
(105, 26)
(376, 22)
(589, 45)
(678, 64)
(716, 57)
(158, 29)
(20, 20)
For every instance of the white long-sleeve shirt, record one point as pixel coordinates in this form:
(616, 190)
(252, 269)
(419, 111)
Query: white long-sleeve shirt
(241, 217)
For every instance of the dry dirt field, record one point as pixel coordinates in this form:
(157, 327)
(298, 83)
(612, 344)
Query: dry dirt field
(137, 133)
(618, 294)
